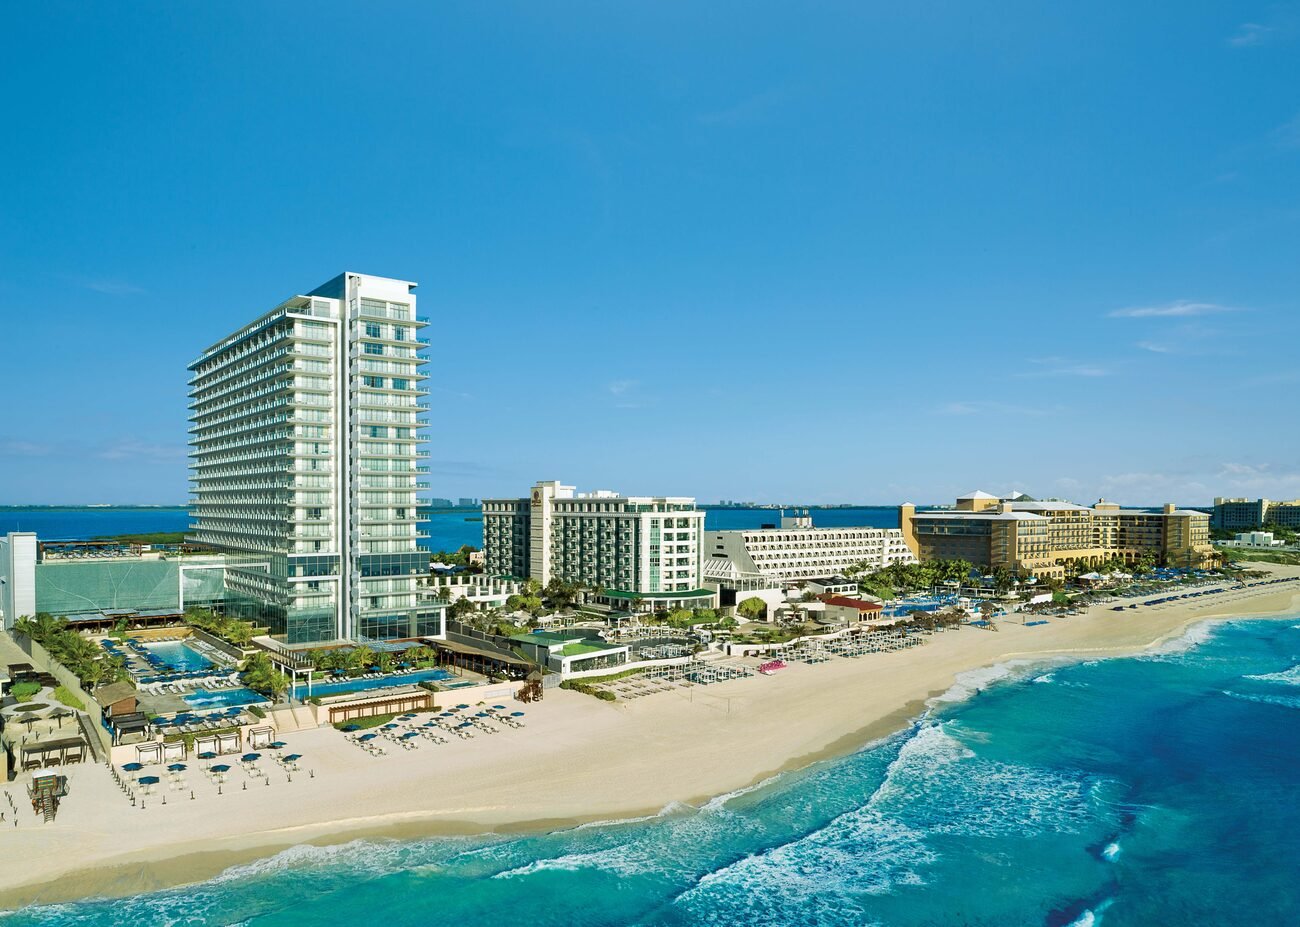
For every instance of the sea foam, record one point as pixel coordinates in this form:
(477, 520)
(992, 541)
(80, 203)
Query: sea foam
(1290, 677)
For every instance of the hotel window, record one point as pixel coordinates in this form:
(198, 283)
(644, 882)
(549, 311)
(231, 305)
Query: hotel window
(400, 384)
(372, 330)
(371, 348)
(399, 333)
(373, 382)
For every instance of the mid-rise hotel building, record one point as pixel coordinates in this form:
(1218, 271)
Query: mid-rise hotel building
(306, 467)
(1032, 537)
(798, 551)
(1248, 514)
(645, 548)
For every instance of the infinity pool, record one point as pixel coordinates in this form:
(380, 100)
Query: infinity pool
(362, 685)
(225, 698)
(179, 656)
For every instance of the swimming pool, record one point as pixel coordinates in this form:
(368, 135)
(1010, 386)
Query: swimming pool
(178, 655)
(362, 685)
(225, 698)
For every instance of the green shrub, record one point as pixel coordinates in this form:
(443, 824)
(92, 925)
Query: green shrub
(588, 689)
(64, 695)
(257, 711)
(25, 691)
(364, 723)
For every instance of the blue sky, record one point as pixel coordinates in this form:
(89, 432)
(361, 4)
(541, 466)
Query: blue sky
(805, 251)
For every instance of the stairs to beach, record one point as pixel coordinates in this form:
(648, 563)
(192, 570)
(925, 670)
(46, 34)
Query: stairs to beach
(293, 718)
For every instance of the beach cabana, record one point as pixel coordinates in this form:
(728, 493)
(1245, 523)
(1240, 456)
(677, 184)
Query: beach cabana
(58, 752)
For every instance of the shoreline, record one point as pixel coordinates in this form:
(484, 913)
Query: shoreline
(764, 727)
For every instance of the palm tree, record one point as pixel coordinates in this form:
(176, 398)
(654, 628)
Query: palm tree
(360, 657)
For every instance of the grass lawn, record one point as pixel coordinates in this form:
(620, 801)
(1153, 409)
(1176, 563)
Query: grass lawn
(64, 695)
(1237, 555)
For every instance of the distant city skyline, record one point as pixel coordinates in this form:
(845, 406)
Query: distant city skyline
(849, 254)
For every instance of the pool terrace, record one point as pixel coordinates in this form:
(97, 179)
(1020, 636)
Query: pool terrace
(169, 663)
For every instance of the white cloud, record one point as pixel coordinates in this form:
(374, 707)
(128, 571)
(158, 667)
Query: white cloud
(747, 111)
(9, 448)
(976, 407)
(1257, 480)
(1181, 309)
(1248, 34)
(1287, 135)
(113, 287)
(1064, 367)
(1279, 22)
(619, 387)
(1156, 347)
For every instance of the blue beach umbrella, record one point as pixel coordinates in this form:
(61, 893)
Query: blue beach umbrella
(132, 767)
(367, 737)
(348, 728)
(276, 745)
(250, 757)
(516, 714)
(293, 757)
(176, 767)
(148, 780)
(221, 767)
(207, 755)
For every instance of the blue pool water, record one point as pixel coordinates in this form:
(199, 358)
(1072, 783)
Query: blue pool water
(1139, 792)
(225, 698)
(179, 656)
(363, 685)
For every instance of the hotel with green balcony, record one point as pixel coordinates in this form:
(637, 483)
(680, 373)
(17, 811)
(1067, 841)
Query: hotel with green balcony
(306, 467)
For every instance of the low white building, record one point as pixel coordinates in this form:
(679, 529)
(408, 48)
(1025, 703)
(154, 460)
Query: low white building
(482, 590)
(799, 551)
(1254, 539)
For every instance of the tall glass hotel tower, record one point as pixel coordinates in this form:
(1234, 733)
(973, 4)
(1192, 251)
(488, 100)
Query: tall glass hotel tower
(304, 437)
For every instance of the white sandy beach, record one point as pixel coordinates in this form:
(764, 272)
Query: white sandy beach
(577, 759)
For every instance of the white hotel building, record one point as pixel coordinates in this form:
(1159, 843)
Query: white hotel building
(644, 548)
(305, 467)
(798, 551)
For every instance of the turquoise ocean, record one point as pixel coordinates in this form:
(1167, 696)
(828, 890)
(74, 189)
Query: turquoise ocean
(1154, 790)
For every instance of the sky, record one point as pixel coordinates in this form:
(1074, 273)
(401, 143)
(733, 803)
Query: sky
(790, 252)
